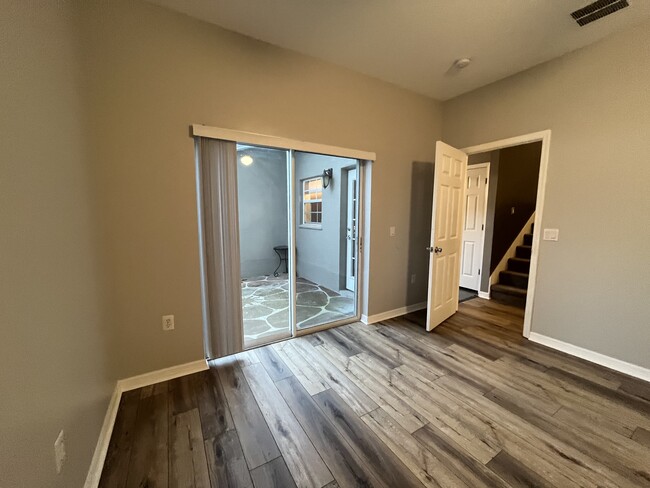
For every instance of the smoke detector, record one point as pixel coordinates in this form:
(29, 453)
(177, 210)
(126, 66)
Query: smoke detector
(462, 63)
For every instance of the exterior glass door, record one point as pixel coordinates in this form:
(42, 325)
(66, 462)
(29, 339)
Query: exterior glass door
(298, 224)
(264, 241)
(326, 244)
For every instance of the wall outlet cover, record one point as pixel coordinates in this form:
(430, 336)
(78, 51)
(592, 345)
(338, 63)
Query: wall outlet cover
(168, 322)
(551, 234)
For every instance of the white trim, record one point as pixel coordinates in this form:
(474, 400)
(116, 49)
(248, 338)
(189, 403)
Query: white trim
(101, 449)
(483, 294)
(545, 137)
(279, 142)
(165, 374)
(389, 314)
(126, 384)
(479, 165)
(592, 356)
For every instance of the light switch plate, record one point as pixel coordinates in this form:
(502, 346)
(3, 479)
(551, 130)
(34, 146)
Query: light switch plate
(391, 230)
(551, 234)
(168, 322)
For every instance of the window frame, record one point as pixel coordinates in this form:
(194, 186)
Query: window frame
(303, 202)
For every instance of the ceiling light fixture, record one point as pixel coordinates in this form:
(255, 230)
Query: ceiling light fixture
(246, 160)
(462, 63)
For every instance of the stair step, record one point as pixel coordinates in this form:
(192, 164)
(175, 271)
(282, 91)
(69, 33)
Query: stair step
(508, 295)
(528, 239)
(514, 278)
(508, 290)
(523, 252)
(519, 265)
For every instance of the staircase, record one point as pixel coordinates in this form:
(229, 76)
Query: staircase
(513, 282)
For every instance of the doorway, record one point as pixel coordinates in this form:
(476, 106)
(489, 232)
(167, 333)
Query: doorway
(476, 192)
(298, 209)
(307, 202)
(443, 204)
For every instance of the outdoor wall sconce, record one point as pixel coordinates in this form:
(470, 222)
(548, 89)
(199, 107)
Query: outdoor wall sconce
(327, 177)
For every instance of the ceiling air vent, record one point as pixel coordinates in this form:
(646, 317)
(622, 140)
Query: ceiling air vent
(598, 10)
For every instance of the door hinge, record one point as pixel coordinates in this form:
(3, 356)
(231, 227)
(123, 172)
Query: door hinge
(486, 181)
(482, 226)
(479, 272)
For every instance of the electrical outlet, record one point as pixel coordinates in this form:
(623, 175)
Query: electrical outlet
(391, 230)
(412, 279)
(59, 452)
(168, 322)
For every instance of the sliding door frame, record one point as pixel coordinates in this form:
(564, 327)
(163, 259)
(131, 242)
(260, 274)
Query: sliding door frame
(291, 146)
(360, 281)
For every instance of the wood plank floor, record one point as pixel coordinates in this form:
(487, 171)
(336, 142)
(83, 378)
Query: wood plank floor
(389, 405)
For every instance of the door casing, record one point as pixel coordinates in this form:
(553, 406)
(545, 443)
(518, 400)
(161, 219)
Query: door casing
(545, 138)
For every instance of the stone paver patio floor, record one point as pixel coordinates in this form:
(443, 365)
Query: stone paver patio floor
(265, 301)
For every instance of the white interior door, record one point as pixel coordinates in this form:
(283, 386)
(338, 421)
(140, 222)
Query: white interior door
(474, 225)
(446, 233)
(351, 262)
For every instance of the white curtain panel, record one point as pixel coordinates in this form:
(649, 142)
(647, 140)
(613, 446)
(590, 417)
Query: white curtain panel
(219, 234)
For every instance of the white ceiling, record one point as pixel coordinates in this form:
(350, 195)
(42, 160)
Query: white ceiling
(413, 43)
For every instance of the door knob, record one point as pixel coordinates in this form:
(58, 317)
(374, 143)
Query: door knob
(430, 249)
(437, 250)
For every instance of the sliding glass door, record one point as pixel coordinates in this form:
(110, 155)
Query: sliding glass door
(264, 239)
(298, 225)
(326, 243)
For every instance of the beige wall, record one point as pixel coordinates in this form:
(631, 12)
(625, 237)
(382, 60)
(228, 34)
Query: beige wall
(593, 284)
(153, 72)
(54, 370)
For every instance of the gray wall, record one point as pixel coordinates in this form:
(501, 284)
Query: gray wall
(593, 284)
(263, 218)
(55, 353)
(149, 73)
(419, 229)
(321, 253)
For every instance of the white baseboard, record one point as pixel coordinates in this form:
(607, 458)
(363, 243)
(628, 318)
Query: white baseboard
(393, 313)
(484, 294)
(595, 357)
(126, 384)
(99, 456)
(166, 374)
